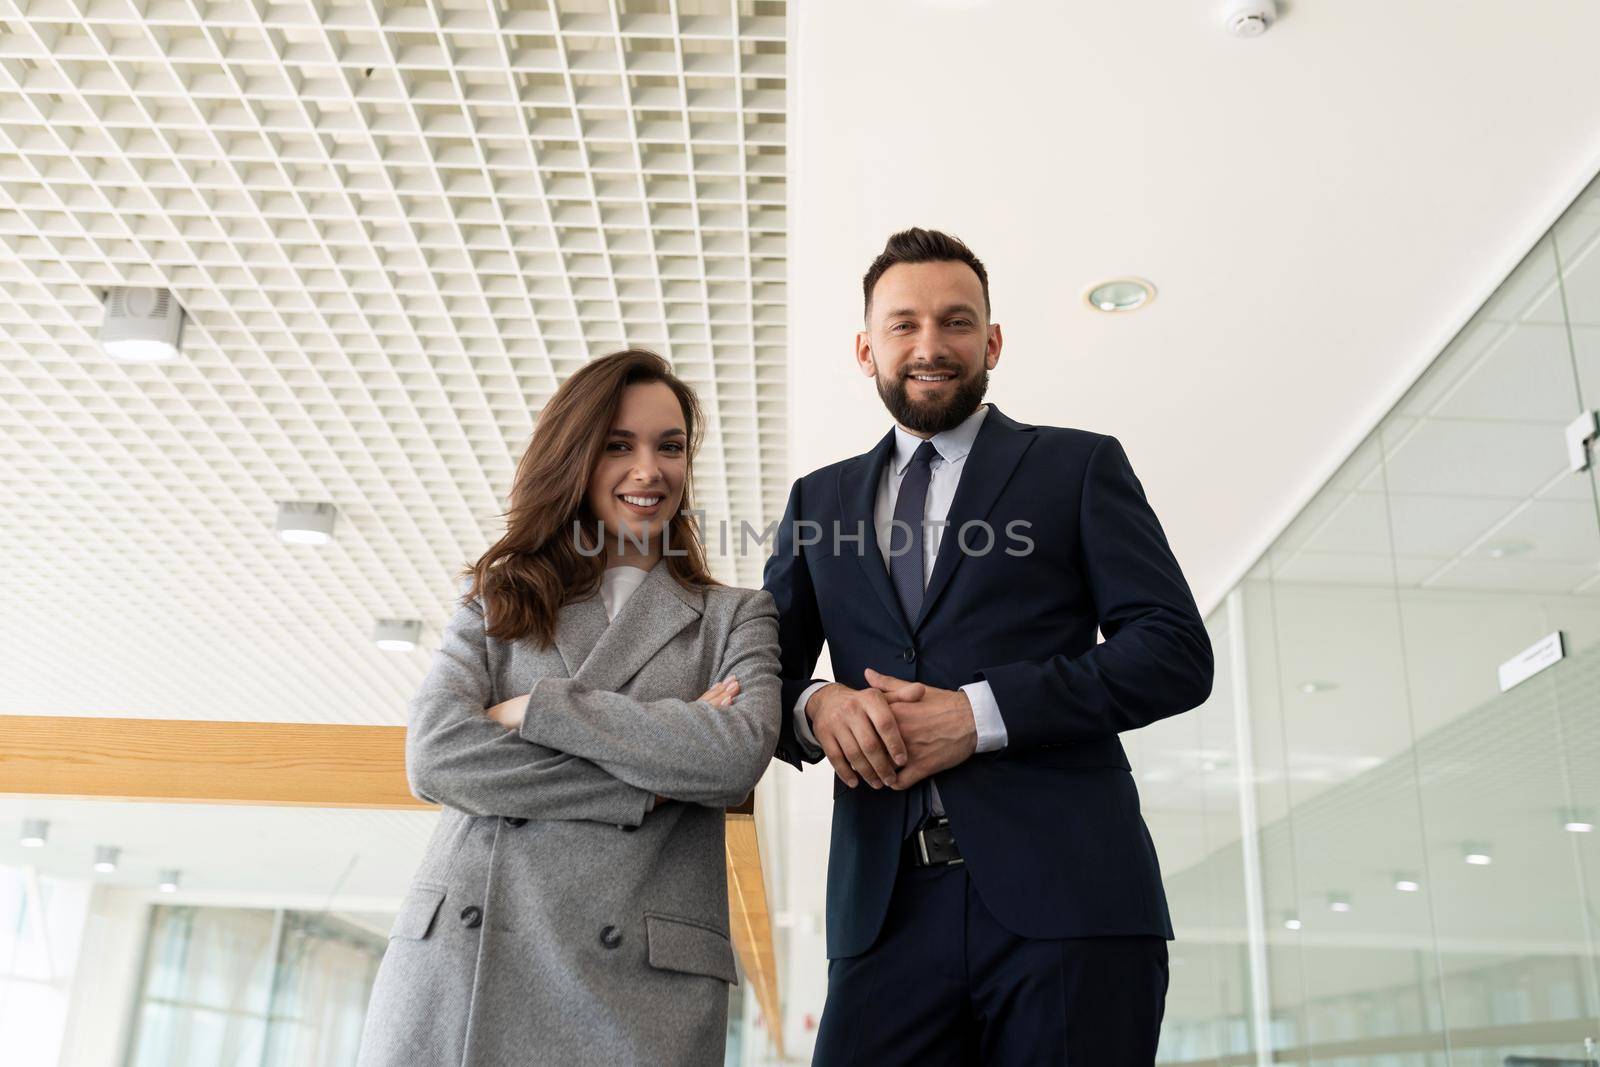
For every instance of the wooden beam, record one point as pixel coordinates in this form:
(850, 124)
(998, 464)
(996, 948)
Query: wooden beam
(750, 921)
(307, 765)
(204, 762)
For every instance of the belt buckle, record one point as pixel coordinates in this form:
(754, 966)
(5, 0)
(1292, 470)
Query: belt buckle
(935, 858)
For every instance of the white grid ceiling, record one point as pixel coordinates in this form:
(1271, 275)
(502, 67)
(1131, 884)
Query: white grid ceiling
(395, 229)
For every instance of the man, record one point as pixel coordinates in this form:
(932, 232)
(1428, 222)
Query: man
(993, 894)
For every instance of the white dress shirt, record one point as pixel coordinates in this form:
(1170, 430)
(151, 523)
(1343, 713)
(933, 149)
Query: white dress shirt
(945, 469)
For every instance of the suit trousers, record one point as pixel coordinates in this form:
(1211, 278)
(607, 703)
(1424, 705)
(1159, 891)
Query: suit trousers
(945, 984)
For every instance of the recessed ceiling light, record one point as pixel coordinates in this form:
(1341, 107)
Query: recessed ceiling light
(1477, 855)
(34, 832)
(168, 882)
(301, 523)
(1577, 821)
(1407, 885)
(105, 858)
(1291, 923)
(1121, 294)
(1507, 549)
(1338, 902)
(1317, 687)
(141, 325)
(397, 635)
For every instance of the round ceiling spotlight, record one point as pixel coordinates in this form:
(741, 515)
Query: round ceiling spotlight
(1120, 294)
(397, 635)
(141, 325)
(305, 522)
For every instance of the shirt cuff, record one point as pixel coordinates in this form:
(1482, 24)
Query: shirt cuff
(985, 716)
(802, 725)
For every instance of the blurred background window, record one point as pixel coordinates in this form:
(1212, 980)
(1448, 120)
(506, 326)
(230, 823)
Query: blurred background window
(238, 987)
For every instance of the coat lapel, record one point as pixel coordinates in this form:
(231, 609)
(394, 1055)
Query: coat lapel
(607, 656)
(996, 451)
(579, 626)
(858, 498)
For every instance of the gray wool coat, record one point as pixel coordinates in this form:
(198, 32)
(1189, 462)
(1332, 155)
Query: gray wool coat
(559, 916)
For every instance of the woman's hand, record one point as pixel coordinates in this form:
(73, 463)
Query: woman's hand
(509, 713)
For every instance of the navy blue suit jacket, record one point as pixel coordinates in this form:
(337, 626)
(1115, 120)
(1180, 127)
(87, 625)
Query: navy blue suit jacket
(1050, 825)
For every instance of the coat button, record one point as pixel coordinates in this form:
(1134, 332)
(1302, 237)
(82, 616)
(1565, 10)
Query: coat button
(515, 821)
(610, 936)
(625, 828)
(909, 655)
(472, 916)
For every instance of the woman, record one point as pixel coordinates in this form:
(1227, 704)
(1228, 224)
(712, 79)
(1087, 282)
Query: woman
(572, 906)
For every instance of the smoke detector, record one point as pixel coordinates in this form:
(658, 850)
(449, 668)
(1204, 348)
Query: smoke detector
(141, 325)
(1249, 18)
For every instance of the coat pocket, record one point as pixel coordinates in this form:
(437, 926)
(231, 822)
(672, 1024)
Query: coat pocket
(417, 912)
(689, 946)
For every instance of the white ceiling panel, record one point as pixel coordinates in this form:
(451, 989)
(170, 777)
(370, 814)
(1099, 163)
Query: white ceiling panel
(1526, 374)
(1548, 530)
(1428, 526)
(395, 230)
(1517, 575)
(1475, 458)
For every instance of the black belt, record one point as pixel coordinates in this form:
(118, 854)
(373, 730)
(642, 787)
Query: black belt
(932, 845)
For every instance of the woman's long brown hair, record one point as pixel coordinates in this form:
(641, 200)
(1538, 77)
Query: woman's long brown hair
(536, 567)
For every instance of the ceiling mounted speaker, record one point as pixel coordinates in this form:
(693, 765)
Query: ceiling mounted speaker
(141, 325)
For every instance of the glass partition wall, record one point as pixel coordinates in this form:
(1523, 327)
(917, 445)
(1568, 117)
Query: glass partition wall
(1413, 674)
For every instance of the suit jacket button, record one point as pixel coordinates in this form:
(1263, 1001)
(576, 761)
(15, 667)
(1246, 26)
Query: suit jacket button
(515, 820)
(472, 916)
(625, 828)
(610, 936)
(909, 655)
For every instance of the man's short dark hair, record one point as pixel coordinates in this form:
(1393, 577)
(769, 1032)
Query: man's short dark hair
(917, 245)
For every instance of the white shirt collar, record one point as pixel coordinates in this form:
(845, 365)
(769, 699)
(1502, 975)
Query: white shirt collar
(951, 445)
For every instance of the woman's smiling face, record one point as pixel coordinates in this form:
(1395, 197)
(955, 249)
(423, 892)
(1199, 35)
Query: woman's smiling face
(637, 485)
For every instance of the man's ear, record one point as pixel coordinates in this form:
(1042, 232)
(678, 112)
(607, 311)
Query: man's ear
(867, 363)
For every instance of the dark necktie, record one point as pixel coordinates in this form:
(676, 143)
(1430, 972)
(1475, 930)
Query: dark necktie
(905, 571)
(905, 568)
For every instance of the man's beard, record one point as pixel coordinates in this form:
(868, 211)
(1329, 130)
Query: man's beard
(934, 415)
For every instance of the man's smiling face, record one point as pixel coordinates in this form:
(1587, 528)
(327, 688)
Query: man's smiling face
(929, 344)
